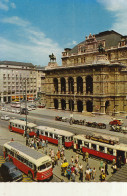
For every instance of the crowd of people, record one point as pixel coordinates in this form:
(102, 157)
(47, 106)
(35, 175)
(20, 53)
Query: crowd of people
(73, 167)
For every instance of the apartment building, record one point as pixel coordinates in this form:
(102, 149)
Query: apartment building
(17, 80)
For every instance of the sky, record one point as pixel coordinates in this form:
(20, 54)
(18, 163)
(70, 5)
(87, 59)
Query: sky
(31, 30)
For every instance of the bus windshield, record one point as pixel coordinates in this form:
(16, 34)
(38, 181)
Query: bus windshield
(44, 166)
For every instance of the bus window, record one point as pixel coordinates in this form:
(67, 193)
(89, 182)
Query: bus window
(101, 148)
(46, 133)
(110, 151)
(42, 167)
(48, 164)
(50, 135)
(93, 146)
(55, 136)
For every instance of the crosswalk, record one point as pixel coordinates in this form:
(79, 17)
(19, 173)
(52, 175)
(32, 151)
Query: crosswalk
(25, 177)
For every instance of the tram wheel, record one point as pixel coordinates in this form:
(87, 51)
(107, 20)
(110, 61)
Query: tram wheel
(30, 175)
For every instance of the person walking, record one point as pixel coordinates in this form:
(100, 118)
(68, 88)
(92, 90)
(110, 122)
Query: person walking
(94, 173)
(106, 169)
(73, 176)
(81, 175)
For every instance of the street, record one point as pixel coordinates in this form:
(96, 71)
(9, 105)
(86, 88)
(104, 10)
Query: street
(45, 117)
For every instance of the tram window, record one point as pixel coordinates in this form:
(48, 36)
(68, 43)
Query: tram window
(48, 164)
(23, 127)
(93, 146)
(109, 151)
(15, 125)
(50, 135)
(19, 126)
(101, 148)
(46, 133)
(55, 136)
(42, 132)
(86, 145)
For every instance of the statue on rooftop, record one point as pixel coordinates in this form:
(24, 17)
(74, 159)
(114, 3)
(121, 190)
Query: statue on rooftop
(52, 57)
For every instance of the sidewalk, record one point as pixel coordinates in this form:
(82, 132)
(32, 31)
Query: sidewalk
(68, 154)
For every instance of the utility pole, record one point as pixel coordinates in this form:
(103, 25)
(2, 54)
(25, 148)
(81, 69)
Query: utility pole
(26, 105)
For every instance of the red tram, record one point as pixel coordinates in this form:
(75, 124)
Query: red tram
(56, 136)
(102, 146)
(19, 126)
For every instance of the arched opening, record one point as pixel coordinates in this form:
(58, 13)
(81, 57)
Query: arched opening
(71, 105)
(89, 85)
(79, 85)
(107, 106)
(79, 106)
(56, 103)
(63, 85)
(63, 104)
(89, 106)
(55, 81)
(71, 85)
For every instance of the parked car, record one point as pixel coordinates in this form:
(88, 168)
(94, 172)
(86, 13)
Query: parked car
(10, 172)
(5, 117)
(115, 122)
(17, 111)
(29, 109)
(23, 119)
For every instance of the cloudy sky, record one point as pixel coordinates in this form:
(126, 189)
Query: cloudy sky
(30, 30)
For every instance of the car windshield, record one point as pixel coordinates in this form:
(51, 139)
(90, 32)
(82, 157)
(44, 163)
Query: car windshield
(13, 169)
(44, 166)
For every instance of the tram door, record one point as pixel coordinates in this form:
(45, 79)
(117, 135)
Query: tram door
(122, 155)
(59, 141)
(79, 143)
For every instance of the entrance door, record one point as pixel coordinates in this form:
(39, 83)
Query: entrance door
(79, 143)
(121, 156)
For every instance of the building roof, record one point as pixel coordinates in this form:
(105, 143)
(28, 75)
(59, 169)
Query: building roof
(16, 63)
(112, 38)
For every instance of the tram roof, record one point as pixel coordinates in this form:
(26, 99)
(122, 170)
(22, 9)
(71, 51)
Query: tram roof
(21, 122)
(104, 136)
(55, 131)
(32, 155)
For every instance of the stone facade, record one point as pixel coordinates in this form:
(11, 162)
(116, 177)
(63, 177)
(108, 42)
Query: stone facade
(92, 78)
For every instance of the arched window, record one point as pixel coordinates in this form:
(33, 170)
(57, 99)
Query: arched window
(63, 85)
(71, 85)
(89, 106)
(79, 85)
(55, 81)
(71, 105)
(79, 106)
(63, 104)
(89, 85)
(56, 103)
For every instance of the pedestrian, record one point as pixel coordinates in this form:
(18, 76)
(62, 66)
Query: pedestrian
(46, 143)
(80, 166)
(91, 173)
(69, 172)
(86, 156)
(72, 160)
(81, 174)
(106, 169)
(76, 168)
(83, 156)
(103, 176)
(101, 164)
(87, 172)
(56, 160)
(77, 158)
(73, 176)
(114, 168)
(58, 154)
(94, 173)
